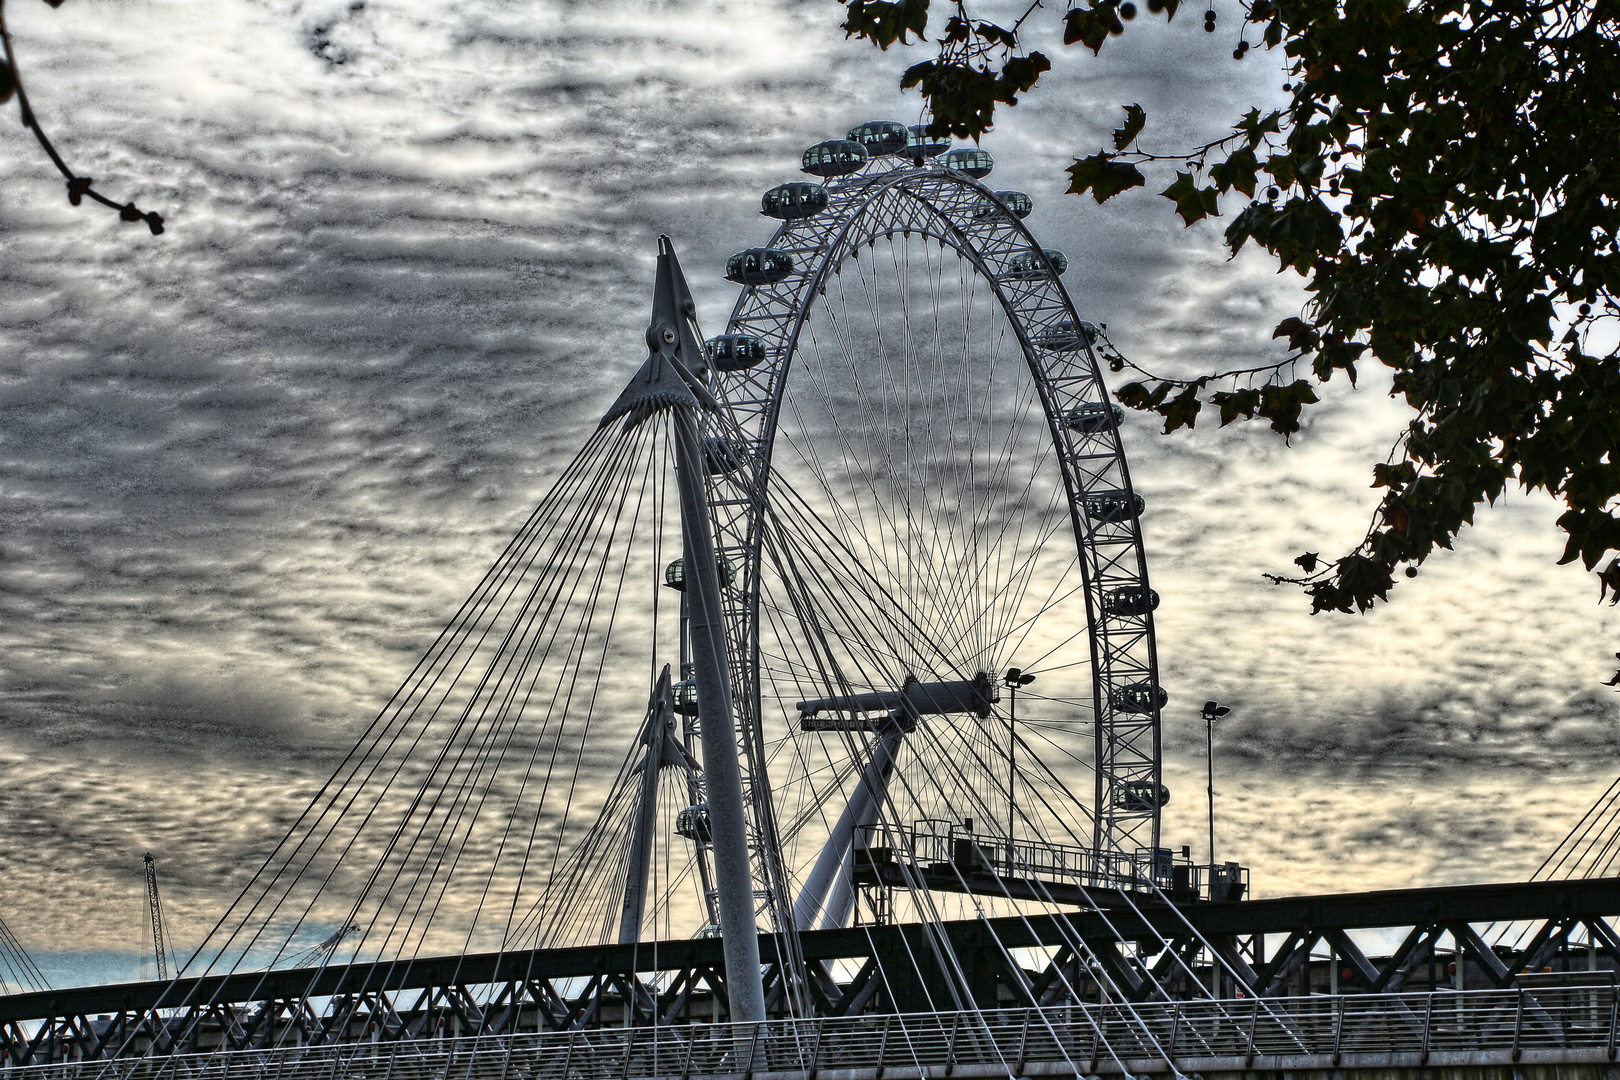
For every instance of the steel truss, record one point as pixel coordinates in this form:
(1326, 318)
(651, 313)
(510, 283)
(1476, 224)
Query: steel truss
(887, 199)
(891, 971)
(1379, 1033)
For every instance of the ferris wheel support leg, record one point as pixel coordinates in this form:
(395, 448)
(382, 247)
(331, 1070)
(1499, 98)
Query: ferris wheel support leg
(722, 774)
(833, 867)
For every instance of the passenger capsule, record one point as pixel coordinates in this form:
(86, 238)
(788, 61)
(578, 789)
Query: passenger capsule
(675, 573)
(881, 137)
(1092, 417)
(693, 823)
(1142, 796)
(1130, 600)
(1140, 697)
(734, 352)
(1017, 202)
(969, 159)
(719, 457)
(685, 694)
(788, 202)
(836, 157)
(1064, 337)
(759, 266)
(1029, 266)
(920, 146)
(1113, 507)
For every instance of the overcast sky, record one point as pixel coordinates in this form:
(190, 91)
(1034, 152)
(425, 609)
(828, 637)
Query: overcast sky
(248, 467)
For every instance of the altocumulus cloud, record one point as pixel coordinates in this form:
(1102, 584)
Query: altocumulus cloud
(248, 467)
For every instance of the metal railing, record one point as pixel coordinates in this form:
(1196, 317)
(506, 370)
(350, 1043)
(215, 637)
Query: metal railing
(947, 844)
(1383, 1030)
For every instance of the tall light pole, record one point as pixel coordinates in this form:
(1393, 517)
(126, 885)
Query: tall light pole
(1212, 712)
(1014, 678)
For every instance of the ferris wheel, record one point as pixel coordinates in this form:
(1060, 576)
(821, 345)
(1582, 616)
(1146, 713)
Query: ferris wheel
(937, 509)
(893, 500)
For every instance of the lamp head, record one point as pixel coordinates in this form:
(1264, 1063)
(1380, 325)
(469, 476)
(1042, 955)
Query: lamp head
(1016, 677)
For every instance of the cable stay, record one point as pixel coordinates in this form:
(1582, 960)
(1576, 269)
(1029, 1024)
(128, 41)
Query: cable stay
(738, 676)
(20, 973)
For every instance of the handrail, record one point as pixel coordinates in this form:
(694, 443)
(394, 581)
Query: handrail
(1477, 1027)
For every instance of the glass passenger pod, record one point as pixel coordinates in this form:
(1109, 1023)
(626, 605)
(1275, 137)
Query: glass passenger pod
(720, 457)
(675, 573)
(835, 157)
(1129, 600)
(1113, 507)
(685, 697)
(693, 823)
(881, 137)
(920, 146)
(1091, 418)
(789, 202)
(1029, 266)
(1067, 336)
(759, 266)
(1017, 203)
(1141, 698)
(1142, 796)
(734, 352)
(968, 159)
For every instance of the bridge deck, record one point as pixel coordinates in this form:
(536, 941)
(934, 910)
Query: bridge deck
(416, 1002)
(1383, 1033)
(1504, 902)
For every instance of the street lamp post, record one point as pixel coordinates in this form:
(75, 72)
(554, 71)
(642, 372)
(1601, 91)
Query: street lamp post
(1212, 712)
(1014, 678)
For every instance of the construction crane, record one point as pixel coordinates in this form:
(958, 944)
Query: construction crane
(18, 967)
(318, 954)
(160, 932)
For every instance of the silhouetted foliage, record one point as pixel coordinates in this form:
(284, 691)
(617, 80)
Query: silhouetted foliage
(1445, 180)
(79, 188)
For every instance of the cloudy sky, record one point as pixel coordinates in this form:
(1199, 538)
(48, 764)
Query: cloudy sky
(249, 466)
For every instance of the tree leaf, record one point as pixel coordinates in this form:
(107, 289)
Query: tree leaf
(1237, 171)
(1181, 410)
(1135, 118)
(1255, 127)
(1302, 336)
(1193, 203)
(885, 22)
(1236, 403)
(1089, 26)
(1104, 177)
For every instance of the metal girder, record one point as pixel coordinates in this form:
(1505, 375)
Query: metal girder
(262, 1009)
(1272, 978)
(1472, 945)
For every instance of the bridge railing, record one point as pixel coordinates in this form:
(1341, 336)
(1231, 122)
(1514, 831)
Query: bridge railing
(948, 845)
(1383, 1030)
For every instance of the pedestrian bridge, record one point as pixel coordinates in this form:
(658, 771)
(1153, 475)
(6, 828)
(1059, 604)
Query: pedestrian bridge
(1560, 1031)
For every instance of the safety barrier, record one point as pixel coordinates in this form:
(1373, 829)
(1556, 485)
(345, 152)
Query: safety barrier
(1562, 1024)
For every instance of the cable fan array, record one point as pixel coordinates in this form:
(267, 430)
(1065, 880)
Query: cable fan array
(484, 785)
(20, 973)
(1591, 848)
(492, 804)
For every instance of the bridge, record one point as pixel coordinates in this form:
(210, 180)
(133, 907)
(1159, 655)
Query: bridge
(1563, 1031)
(494, 996)
(720, 769)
